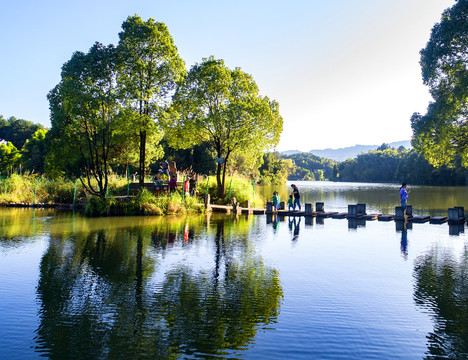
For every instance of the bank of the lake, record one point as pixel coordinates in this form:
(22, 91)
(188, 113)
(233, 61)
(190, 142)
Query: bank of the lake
(123, 197)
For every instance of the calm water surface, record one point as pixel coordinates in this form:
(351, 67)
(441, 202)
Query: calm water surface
(231, 287)
(379, 198)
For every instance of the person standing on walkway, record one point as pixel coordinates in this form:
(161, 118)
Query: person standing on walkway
(165, 167)
(276, 200)
(403, 195)
(172, 184)
(290, 203)
(297, 197)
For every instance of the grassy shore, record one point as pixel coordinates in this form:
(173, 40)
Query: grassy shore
(36, 190)
(27, 190)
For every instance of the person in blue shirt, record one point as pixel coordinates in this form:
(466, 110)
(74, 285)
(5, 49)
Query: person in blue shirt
(403, 195)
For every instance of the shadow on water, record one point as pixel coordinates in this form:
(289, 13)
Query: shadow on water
(123, 292)
(441, 288)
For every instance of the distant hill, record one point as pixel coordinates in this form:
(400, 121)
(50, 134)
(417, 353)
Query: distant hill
(353, 151)
(291, 152)
(350, 151)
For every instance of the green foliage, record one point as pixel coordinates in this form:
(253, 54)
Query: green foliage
(275, 170)
(20, 189)
(17, 130)
(310, 167)
(97, 206)
(9, 157)
(84, 110)
(34, 152)
(374, 166)
(442, 133)
(171, 204)
(148, 72)
(144, 203)
(391, 165)
(236, 187)
(199, 158)
(223, 108)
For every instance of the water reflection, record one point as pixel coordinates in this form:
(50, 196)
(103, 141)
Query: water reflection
(442, 289)
(123, 291)
(403, 227)
(456, 229)
(294, 227)
(354, 223)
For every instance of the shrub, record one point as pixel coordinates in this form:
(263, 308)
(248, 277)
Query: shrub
(242, 189)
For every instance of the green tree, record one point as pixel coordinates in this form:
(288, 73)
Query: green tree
(275, 170)
(34, 151)
(150, 68)
(17, 130)
(223, 108)
(198, 158)
(84, 110)
(442, 132)
(9, 157)
(307, 167)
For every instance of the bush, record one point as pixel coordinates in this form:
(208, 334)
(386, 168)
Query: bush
(172, 204)
(242, 189)
(20, 189)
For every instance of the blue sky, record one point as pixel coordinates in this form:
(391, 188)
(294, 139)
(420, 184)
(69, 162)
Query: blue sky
(343, 72)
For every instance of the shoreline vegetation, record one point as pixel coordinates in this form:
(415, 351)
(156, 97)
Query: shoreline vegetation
(35, 191)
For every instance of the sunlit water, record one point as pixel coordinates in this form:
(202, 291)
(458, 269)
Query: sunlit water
(219, 287)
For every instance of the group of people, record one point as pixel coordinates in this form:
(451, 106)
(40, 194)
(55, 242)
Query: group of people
(294, 199)
(166, 170)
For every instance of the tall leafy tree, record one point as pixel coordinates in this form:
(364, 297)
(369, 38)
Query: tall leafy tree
(222, 107)
(34, 151)
(9, 157)
(150, 68)
(84, 110)
(442, 132)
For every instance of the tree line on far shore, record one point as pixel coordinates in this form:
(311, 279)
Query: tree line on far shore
(28, 147)
(385, 164)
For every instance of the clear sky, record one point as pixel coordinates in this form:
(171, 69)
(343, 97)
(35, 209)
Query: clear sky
(344, 72)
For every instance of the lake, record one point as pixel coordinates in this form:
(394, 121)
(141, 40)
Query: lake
(237, 287)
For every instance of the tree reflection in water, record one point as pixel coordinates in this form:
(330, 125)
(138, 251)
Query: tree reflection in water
(99, 299)
(442, 288)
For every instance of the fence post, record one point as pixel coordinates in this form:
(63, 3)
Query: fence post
(128, 182)
(183, 187)
(253, 191)
(207, 183)
(35, 190)
(74, 193)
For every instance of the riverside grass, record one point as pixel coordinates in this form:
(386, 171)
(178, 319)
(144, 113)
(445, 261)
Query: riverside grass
(144, 203)
(29, 189)
(236, 187)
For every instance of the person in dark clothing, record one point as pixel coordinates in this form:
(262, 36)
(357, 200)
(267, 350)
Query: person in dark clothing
(173, 184)
(297, 197)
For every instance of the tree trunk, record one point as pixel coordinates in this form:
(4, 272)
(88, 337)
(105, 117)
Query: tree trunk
(219, 181)
(142, 158)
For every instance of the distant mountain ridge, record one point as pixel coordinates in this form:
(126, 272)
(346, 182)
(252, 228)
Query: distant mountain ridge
(349, 152)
